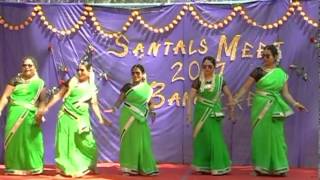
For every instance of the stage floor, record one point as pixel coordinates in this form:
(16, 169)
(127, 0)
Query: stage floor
(110, 171)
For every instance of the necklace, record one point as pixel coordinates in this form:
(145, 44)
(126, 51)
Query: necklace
(209, 86)
(265, 69)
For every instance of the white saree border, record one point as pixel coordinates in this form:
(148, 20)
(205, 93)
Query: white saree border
(15, 128)
(75, 174)
(266, 75)
(126, 127)
(202, 120)
(135, 109)
(271, 172)
(263, 112)
(211, 171)
(23, 172)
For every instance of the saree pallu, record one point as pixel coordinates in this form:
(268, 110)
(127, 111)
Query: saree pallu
(136, 156)
(76, 150)
(269, 149)
(210, 153)
(23, 138)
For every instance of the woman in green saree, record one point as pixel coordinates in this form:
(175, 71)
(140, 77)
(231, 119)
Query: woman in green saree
(76, 151)
(210, 153)
(268, 112)
(23, 137)
(136, 156)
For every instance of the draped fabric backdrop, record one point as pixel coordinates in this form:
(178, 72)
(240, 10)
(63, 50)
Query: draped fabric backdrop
(170, 41)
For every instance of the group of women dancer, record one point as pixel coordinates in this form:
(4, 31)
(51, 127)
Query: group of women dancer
(76, 150)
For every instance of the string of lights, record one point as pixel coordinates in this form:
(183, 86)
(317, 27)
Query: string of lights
(88, 14)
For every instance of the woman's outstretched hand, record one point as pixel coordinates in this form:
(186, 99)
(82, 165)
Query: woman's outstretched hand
(39, 118)
(189, 118)
(106, 122)
(300, 107)
(153, 116)
(232, 115)
(110, 110)
(232, 102)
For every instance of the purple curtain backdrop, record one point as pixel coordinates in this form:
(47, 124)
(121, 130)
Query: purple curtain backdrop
(172, 140)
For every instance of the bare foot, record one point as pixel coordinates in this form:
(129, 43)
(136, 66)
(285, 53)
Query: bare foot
(59, 176)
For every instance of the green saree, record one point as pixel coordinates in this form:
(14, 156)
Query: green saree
(23, 138)
(76, 151)
(136, 156)
(269, 149)
(210, 153)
